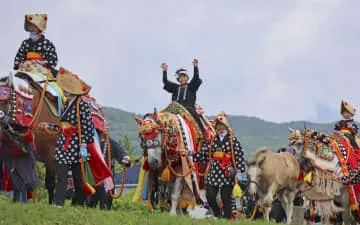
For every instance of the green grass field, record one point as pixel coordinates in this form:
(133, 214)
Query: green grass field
(125, 212)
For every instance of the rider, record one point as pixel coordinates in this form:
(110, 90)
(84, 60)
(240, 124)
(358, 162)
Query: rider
(184, 93)
(222, 173)
(117, 153)
(37, 47)
(347, 126)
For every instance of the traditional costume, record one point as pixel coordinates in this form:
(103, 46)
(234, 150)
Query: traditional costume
(75, 143)
(227, 159)
(20, 175)
(185, 96)
(35, 49)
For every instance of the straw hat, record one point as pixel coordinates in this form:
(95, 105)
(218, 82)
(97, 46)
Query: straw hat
(38, 20)
(71, 83)
(347, 107)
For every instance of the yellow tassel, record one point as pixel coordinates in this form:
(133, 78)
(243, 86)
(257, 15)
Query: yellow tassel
(139, 188)
(308, 178)
(165, 176)
(237, 192)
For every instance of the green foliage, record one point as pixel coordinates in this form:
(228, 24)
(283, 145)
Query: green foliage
(124, 212)
(252, 132)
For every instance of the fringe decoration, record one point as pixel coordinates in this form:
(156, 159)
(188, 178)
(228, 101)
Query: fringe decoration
(326, 208)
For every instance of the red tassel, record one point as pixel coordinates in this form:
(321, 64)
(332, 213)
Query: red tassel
(146, 166)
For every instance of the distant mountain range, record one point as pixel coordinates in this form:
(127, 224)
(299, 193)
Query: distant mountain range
(251, 131)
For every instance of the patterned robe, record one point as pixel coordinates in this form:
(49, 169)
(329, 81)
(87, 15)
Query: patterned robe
(45, 47)
(217, 175)
(72, 154)
(351, 126)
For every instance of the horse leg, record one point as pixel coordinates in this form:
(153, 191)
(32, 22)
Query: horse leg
(268, 200)
(50, 183)
(290, 206)
(175, 195)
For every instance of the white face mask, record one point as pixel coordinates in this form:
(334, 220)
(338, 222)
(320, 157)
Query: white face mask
(34, 36)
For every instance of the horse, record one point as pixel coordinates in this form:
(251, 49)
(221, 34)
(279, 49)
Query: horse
(168, 141)
(325, 154)
(270, 173)
(41, 110)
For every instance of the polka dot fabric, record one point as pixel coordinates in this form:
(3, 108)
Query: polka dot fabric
(45, 47)
(72, 155)
(216, 176)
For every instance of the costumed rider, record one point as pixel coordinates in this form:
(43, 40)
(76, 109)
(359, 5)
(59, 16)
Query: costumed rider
(75, 142)
(37, 49)
(227, 159)
(184, 93)
(116, 153)
(347, 126)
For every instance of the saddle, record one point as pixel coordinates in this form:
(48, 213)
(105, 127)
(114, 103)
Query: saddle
(176, 108)
(54, 96)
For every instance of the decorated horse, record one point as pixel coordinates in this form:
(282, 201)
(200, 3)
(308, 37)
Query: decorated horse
(30, 103)
(330, 157)
(169, 139)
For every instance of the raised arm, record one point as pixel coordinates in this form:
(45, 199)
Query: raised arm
(195, 81)
(168, 85)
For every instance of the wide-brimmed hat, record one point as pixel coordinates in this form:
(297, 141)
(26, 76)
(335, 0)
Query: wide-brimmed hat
(38, 20)
(71, 83)
(345, 106)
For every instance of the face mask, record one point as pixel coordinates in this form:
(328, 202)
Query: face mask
(222, 133)
(33, 36)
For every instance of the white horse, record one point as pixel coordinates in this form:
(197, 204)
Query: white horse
(162, 139)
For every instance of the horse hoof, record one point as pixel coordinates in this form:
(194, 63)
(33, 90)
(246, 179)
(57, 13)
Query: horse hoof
(172, 213)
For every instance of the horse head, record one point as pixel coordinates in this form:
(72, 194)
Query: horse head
(150, 136)
(296, 140)
(254, 170)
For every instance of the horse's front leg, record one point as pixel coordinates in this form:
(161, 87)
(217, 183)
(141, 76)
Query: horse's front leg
(175, 195)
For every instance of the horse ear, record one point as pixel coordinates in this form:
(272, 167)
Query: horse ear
(138, 120)
(260, 160)
(155, 114)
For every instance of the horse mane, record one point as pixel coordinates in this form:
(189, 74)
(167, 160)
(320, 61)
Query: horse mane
(258, 153)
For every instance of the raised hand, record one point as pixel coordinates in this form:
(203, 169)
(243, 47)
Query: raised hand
(164, 67)
(196, 63)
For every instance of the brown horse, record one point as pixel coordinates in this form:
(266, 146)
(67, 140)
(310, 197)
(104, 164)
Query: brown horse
(44, 113)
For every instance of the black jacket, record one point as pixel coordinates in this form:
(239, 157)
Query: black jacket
(116, 151)
(177, 91)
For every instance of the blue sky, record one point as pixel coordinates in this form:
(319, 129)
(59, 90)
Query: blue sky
(277, 60)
